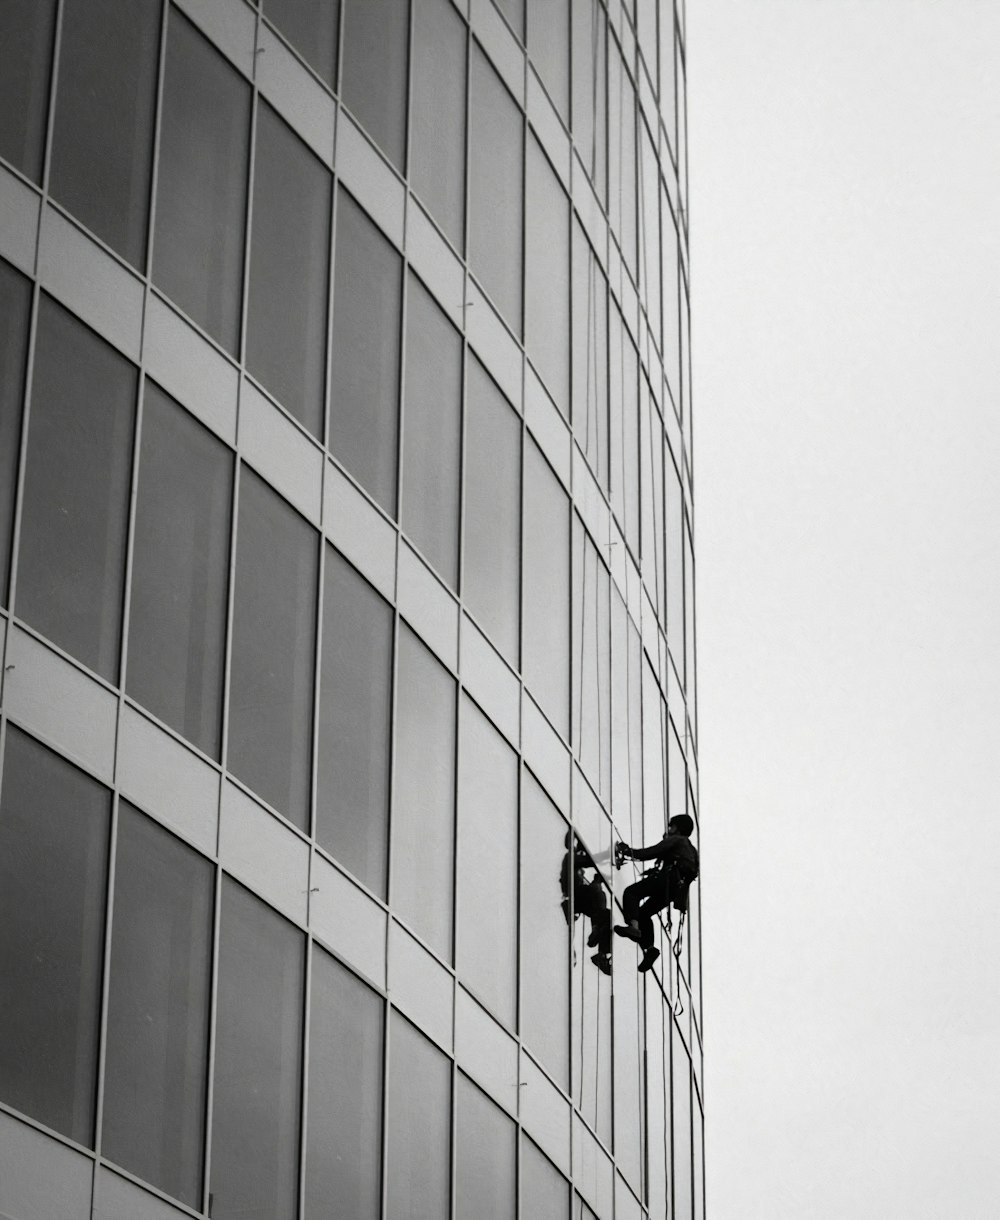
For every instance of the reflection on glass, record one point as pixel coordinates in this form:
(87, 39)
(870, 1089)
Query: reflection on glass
(180, 567)
(201, 184)
(545, 635)
(107, 70)
(423, 811)
(273, 650)
(544, 1191)
(289, 270)
(545, 918)
(374, 79)
(491, 542)
(157, 1041)
(74, 523)
(364, 390)
(546, 294)
(681, 1090)
(437, 124)
(657, 1101)
(352, 800)
(485, 1157)
(26, 30)
(592, 662)
(590, 356)
(591, 1036)
(343, 1161)
(548, 48)
(311, 27)
(496, 146)
(419, 1122)
(432, 431)
(54, 824)
(15, 304)
(630, 1127)
(590, 91)
(486, 953)
(258, 1062)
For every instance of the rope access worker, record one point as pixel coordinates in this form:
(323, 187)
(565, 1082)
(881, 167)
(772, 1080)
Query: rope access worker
(587, 897)
(665, 884)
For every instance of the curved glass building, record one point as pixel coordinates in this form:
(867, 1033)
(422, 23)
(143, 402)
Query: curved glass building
(346, 576)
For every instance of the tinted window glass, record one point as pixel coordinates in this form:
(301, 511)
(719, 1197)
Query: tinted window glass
(75, 515)
(289, 271)
(546, 304)
(484, 1155)
(590, 356)
(107, 72)
(423, 825)
(375, 41)
(311, 27)
(419, 1120)
(26, 30)
(432, 431)
(491, 560)
(180, 572)
(437, 130)
(274, 648)
(544, 1191)
(364, 392)
(54, 824)
(343, 1161)
(157, 1043)
(352, 804)
(548, 47)
(487, 864)
(258, 1062)
(201, 186)
(15, 304)
(496, 173)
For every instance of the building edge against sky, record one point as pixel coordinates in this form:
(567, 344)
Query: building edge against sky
(346, 567)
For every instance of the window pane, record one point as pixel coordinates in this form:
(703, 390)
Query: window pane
(590, 356)
(180, 572)
(311, 27)
(621, 158)
(289, 271)
(423, 814)
(54, 824)
(513, 10)
(343, 1161)
(671, 304)
(201, 186)
(649, 233)
(484, 1156)
(546, 324)
(590, 91)
(375, 40)
(681, 1077)
(258, 1062)
(629, 1058)
(591, 1027)
(491, 558)
(437, 127)
(364, 392)
(668, 82)
(352, 804)
(432, 431)
(26, 30)
(75, 516)
(102, 143)
(274, 649)
(624, 440)
(419, 1120)
(626, 722)
(15, 306)
(545, 639)
(157, 1043)
(544, 1191)
(545, 870)
(548, 48)
(592, 663)
(496, 148)
(487, 864)
(657, 1114)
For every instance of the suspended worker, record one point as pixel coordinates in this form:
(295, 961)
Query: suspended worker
(665, 884)
(586, 896)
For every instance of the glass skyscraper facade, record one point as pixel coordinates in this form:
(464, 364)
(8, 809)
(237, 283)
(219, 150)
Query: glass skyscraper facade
(346, 592)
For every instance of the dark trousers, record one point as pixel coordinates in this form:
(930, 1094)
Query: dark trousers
(590, 899)
(642, 901)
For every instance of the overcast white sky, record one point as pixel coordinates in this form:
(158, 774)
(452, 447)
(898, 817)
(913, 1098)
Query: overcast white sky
(845, 171)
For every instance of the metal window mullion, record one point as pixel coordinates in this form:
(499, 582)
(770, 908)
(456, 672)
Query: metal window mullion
(98, 1111)
(206, 1199)
(304, 1068)
(50, 118)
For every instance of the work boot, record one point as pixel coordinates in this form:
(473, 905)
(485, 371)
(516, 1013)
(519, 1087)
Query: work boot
(594, 939)
(648, 958)
(630, 930)
(603, 962)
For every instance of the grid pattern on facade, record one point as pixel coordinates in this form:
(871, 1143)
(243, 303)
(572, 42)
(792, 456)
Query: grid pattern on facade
(346, 575)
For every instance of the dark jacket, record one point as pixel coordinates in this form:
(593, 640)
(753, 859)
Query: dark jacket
(676, 860)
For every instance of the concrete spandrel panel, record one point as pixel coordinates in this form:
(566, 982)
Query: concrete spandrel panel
(295, 93)
(84, 276)
(427, 606)
(370, 180)
(544, 753)
(281, 452)
(435, 262)
(545, 1113)
(117, 1198)
(359, 531)
(348, 920)
(494, 344)
(593, 1174)
(19, 206)
(187, 366)
(492, 684)
(547, 426)
(60, 704)
(420, 986)
(486, 1051)
(500, 45)
(41, 1178)
(264, 853)
(164, 778)
(230, 24)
